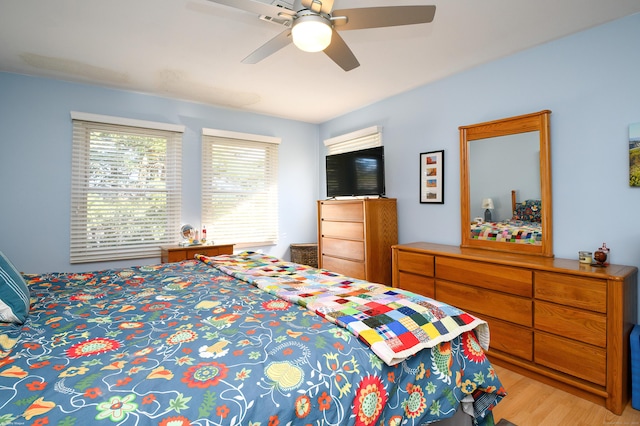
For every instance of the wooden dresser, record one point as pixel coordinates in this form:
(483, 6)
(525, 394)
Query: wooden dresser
(556, 320)
(355, 237)
(178, 253)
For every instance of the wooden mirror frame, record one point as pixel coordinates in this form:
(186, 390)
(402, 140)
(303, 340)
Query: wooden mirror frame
(538, 121)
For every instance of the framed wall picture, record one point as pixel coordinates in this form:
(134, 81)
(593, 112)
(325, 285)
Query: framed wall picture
(634, 154)
(432, 177)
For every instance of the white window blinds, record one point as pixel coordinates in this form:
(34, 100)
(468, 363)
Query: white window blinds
(354, 141)
(240, 188)
(126, 188)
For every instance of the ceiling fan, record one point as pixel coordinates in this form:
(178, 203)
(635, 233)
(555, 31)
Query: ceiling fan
(313, 26)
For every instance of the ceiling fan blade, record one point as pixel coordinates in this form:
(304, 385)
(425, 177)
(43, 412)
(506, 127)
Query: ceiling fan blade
(340, 53)
(325, 6)
(259, 8)
(269, 48)
(386, 16)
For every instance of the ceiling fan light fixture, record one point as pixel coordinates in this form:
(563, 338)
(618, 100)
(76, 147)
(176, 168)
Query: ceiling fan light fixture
(311, 33)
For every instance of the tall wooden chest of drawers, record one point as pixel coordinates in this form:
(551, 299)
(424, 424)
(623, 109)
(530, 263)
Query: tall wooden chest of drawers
(355, 237)
(561, 322)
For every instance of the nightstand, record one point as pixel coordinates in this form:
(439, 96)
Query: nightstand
(178, 253)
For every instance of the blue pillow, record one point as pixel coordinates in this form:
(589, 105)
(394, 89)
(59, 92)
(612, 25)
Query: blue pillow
(14, 294)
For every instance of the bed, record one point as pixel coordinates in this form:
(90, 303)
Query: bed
(524, 227)
(234, 339)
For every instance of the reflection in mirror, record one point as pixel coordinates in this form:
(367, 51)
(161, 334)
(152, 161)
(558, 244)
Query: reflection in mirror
(187, 232)
(506, 185)
(519, 160)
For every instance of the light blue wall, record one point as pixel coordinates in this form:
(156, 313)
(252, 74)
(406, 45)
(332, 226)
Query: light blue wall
(590, 81)
(35, 164)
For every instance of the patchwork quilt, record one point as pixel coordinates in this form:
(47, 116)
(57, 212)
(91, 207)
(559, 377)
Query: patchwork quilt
(514, 231)
(395, 323)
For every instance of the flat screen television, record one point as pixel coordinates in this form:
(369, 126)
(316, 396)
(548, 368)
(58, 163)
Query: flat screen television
(356, 173)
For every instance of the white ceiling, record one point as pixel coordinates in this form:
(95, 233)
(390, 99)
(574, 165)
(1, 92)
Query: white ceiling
(191, 49)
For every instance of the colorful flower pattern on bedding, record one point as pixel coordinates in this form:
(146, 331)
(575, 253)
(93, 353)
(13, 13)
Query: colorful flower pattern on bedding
(185, 344)
(528, 211)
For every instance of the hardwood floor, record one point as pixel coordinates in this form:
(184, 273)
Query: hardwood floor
(531, 403)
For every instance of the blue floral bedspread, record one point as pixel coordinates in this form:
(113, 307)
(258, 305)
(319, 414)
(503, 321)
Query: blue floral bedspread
(186, 344)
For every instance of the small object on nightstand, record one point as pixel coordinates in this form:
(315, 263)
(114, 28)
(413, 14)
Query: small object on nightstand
(602, 255)
(186, 232)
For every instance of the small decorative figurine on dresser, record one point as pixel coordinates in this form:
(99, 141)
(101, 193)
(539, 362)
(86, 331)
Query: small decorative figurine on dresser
(601, 255)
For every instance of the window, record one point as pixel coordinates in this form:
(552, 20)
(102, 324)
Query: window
(126, 187)
(354, 141)
(240, 187)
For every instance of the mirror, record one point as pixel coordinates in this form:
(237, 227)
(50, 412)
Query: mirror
(505, 185)
(187, 233)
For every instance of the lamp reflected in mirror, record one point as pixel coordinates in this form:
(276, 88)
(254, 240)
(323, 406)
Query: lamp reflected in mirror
(487, 204)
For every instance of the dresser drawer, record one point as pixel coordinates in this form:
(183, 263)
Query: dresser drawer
(417, 284)
(174, 256)
(416, 263)
(578, 359)
(510, 338)
(346, 230)
(579, 292)
(583, 326)
(494, 277)
(498, 305)
(170, 254)
(353, 212)
(346, 267)
(210, 250)
(343, 248)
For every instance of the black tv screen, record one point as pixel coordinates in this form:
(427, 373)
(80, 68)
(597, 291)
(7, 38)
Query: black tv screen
(356, 173)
